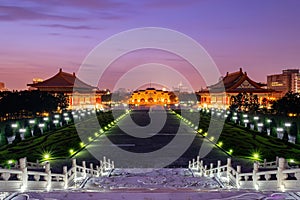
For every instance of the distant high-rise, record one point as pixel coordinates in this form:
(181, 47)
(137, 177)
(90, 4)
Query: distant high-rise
(289, 80)
(2, 87)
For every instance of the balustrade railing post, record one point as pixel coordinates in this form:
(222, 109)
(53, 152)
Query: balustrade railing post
(92, 169)
(211, 169)
(219, 168)
(237, 177)
(254, 176)
(277, 161)
(66, 181)
(23, 167)
(74, 170)
(280, 176)
(37, 163)
(84, 169)
(201, 168)
(112, 164)
(104, 163)
(48, 172)
(205, 170)
(265, 163)
(98, 171)
(193, 163)
(228, 169)
(108, 163)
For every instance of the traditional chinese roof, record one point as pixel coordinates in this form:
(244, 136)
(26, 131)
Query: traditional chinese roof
(237, 82)
(62, 82)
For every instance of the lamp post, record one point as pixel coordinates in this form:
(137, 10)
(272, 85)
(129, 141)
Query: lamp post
(42, 126)
(279, 132)
(22, 132)
(246, 121)
(259, 126)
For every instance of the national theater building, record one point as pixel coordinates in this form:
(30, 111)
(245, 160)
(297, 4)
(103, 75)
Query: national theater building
(231, 85)
(151, 96)
(79, 94)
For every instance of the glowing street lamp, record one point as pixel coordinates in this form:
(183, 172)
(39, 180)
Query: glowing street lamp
(71, 151)
(269, 121)
(256, 118)
(245, 115)
(246, 121)
(279, 129)
(42, 126)
(56, 116)
(14, 125)
(287, 124)
(31, 121)
(46, 118)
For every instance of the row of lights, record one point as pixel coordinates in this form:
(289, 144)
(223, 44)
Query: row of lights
(48, 156)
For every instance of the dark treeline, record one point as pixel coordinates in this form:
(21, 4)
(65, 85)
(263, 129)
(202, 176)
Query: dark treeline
(19, 103)
(290, 103)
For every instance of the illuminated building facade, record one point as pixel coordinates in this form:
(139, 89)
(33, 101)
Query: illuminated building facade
(231, 85)
(151, 96)
(289, 80)
(79, 94)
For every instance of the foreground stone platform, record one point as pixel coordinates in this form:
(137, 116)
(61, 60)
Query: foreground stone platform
(151, 179)
(155, 195)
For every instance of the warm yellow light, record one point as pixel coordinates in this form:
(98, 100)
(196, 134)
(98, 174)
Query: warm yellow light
(81, 144)
(255, 156)
(220, 144)
(71, 151)
(46, 156)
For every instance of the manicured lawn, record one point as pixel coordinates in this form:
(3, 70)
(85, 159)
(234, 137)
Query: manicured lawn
(241, 141)
(57, 142)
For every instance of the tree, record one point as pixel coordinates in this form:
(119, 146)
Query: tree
(285, 137)
(290, 103)
(8, 131)
(27, 134)
(3, 139)
(17, 138)
(273, 126)
(244, 102)
(294, 129)
(36, 130)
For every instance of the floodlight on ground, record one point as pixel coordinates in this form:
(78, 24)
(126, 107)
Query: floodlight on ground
(14, 125)
(55, 121)
(246, 120)
(256, 118)
(245, 115)
(41, 125)
(269, 121)
(46, 118)
(56, 116)
(31, 121)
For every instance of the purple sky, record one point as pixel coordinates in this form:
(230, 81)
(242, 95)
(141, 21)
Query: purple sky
(38, 37)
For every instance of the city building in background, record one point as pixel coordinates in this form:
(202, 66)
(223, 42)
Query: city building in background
(289, 80)
(2, 87)
(79, 94)
(231, 85)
